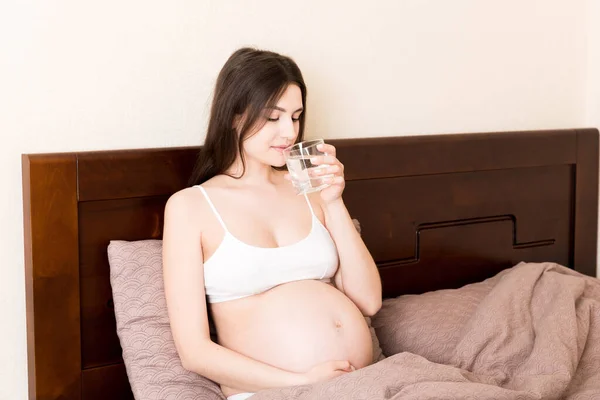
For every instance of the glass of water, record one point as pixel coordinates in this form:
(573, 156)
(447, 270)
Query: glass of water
(302, 170)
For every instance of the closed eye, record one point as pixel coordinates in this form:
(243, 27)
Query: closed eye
(298, 111)
(277, 119)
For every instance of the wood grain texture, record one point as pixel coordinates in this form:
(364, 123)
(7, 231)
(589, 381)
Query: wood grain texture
(426, 232)
(121, 174)
(52, 275)
(586, 202)
(102, 221)
(372, 158)
(118, 174)
(109, 382)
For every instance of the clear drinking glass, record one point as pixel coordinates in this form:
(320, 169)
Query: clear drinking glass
(302, 170)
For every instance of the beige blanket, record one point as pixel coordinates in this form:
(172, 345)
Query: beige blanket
(536, 335)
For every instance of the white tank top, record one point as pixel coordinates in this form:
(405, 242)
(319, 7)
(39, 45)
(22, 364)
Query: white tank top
(238, 270)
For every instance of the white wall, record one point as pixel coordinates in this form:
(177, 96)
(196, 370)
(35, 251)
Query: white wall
(593, 64)
(82, 75)
(593, 75)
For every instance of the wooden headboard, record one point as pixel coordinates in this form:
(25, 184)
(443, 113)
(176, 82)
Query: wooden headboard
(436, 212)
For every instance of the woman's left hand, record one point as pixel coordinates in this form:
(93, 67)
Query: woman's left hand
(334, 168)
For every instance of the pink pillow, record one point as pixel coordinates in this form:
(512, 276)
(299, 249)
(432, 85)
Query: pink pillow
(428, 324)
(151, 360)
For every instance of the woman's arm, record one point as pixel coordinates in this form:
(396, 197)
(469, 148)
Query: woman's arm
(185, 295)
(357, 276)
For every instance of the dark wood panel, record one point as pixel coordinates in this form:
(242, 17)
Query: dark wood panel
(586, 207)
(392, 210)
(451, 256)
(100, 222)
(132, 173)
(421, 155)
(108, 382)
(52, 276)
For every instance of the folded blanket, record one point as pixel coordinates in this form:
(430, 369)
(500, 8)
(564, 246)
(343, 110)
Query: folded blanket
(536, 335)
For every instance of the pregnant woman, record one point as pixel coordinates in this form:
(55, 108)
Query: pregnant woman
(287, 277)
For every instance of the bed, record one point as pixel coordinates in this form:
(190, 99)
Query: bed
(436, 211)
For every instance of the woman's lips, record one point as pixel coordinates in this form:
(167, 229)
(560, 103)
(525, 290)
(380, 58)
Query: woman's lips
(279, 148)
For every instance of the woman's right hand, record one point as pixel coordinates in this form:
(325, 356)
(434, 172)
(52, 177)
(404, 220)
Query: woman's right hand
(326, 371)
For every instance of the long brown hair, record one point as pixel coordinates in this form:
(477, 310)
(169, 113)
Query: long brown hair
(250, 81)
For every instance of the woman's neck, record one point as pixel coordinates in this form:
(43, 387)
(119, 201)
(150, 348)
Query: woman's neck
(254, 173)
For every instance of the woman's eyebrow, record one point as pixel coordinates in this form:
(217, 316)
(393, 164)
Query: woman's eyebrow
(284, 110)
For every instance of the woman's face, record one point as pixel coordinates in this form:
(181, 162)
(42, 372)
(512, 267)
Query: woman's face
(280, 129)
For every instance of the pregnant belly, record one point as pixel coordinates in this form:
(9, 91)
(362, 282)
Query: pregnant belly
(295, 326)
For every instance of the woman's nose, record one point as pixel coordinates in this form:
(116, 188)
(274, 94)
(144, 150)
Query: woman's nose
(288, 130)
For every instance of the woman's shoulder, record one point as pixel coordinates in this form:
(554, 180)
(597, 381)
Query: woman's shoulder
(187, 205)
(185, 202)
(191, 200)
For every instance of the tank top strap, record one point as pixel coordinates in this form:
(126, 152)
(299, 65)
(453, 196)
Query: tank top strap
(212, 207)
(309, 205)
